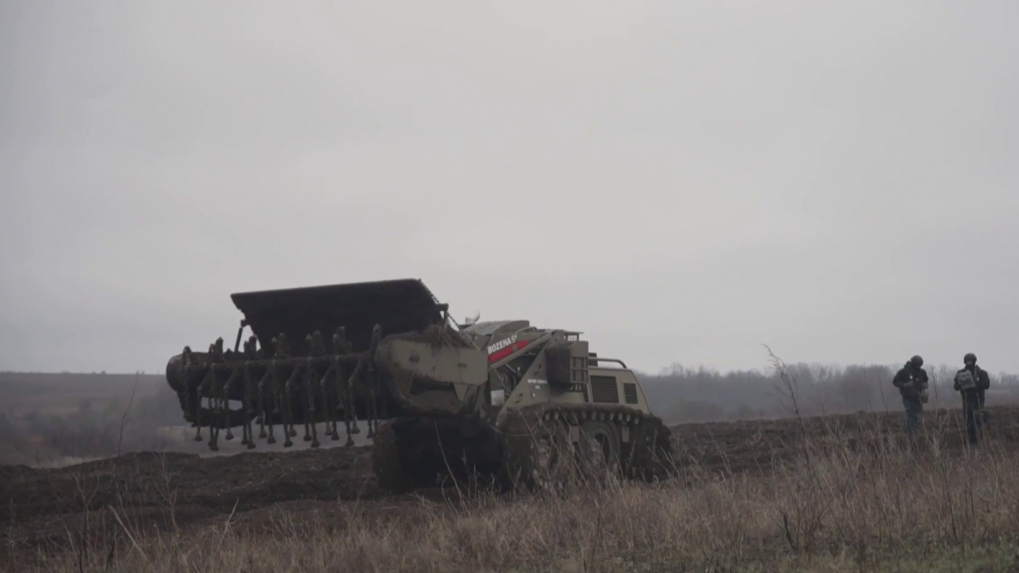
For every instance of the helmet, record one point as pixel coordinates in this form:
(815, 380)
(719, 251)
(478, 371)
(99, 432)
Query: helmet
(970, 357)
(916, 361)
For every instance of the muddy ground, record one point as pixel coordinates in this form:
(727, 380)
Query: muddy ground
(173, 490)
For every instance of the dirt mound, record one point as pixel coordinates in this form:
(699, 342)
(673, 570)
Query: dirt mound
(163, 488)
(145, 479)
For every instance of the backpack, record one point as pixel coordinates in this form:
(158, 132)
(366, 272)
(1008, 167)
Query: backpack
(967, 380)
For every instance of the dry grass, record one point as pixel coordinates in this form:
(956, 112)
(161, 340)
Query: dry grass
(836, 507)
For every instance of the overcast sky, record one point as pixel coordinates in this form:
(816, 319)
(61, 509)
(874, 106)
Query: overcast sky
(682, 181)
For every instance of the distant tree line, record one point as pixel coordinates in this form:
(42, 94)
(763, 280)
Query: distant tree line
(681, 394)
(99, 424)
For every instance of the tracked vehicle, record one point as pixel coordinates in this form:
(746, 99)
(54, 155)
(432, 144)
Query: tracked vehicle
(508, 400)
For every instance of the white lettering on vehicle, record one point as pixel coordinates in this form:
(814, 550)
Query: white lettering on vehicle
(536, 381)
(493, 348)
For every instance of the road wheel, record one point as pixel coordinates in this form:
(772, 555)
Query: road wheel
(600, 448)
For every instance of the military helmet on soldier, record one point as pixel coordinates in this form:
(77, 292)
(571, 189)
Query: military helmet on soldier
(970, 357)
(916, 361)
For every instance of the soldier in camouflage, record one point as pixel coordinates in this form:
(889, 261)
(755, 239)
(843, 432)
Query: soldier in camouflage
(912, 383)
(971, 382)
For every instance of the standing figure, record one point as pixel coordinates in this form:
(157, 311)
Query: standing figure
(912, 383)
(971, 382)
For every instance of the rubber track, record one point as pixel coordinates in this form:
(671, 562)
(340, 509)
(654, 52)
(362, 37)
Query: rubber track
(649, 454)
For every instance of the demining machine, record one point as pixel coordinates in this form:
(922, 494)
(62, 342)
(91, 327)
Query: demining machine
(521, 404)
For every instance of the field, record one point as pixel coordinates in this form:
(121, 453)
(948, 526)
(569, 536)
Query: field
(847, 492)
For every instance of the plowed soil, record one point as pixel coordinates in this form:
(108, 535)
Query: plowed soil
(41, 506)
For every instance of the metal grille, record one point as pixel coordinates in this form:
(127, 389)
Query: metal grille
(630, 393)
(604, 390)
(578, 369)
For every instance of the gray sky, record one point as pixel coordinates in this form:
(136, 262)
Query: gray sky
(682, 181)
